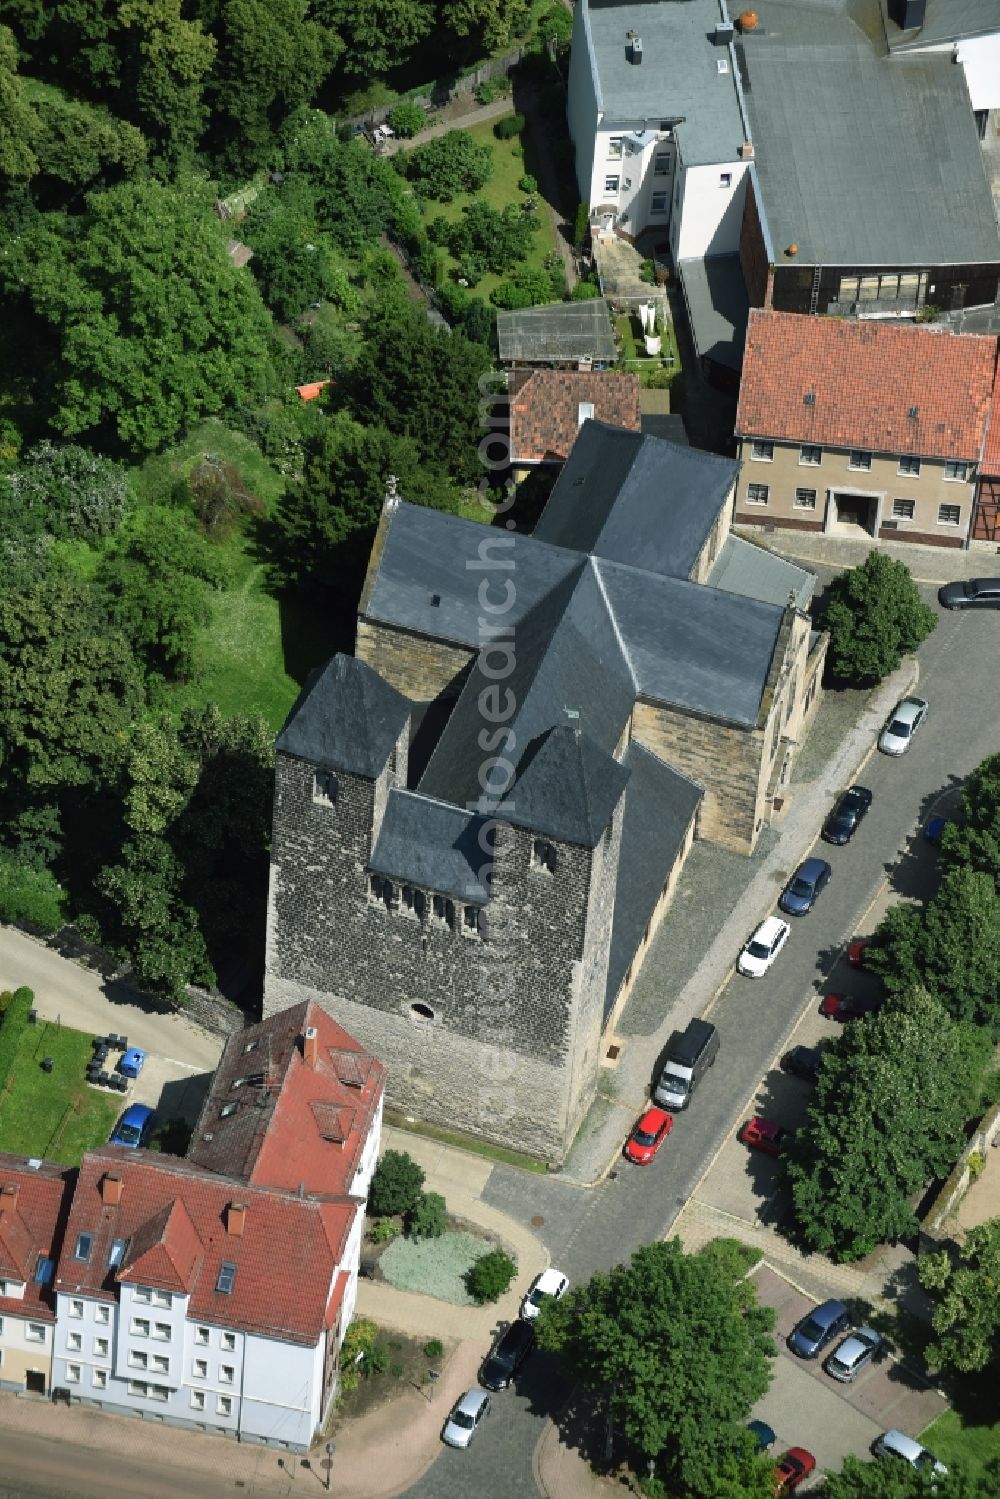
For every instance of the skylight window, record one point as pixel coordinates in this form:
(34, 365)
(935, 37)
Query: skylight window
(227, 1278)
(84, 1244)
(229, 1108)
(44, 1270)
(117, 1252)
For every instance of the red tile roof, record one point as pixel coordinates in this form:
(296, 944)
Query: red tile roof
(34, 1202)
(173, 1218)
(991, 453)
(273, 1119)
(310, 391)
(545, 409)
(865, 378)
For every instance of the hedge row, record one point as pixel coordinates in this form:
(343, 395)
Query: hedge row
(12, 1025)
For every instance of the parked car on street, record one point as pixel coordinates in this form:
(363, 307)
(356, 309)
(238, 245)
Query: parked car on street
(791, 1470)
(843, 822)
(897, 1444)
(467, 1415)
(507, 1355)
(802, 1061)
(974, 593)
(763, 1433)
(763, 947)
(856, 952)
(648, 1134)
(765, 1135)
(132, 1061)
(848, 1006)
(805, 887)
(854, 1354)
(824, 1323)
(934, 829)
(901, 725)
(548, 1286)
(134, 1127)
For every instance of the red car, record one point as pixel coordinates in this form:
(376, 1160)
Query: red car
(791, 1469)
(765, 1135)
(856, 952)
(847, 1006)
(648, 1135)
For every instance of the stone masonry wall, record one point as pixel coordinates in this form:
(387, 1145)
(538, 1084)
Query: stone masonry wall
(726, 760)
(421, 669)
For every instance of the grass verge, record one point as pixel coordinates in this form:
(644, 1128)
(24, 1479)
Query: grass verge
(54, 1115)
(954, 1436)
(466, 1142)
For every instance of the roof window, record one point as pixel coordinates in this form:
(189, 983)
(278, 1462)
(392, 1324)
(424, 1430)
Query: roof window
(117, 1252)
(227, 1278)
(229, 1108)
(84, 1244)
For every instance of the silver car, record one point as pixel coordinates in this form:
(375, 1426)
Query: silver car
(904, 721)
(896, 1443)
(854, 1354)
(466, 1417)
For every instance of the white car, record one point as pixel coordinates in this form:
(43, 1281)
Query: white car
(903, 722)
(466, 1417)
(898, 1444)
(548, 1286)
(763, 947)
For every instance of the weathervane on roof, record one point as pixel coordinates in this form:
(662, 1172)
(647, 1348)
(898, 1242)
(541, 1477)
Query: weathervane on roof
(573, 714)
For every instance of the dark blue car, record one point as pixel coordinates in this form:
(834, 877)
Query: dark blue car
(134, 1127)
(131, 1062)
(802, 890)
(811, 1335)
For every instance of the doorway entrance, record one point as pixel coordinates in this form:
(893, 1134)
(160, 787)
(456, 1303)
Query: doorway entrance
(34, 1381)
(853, 513)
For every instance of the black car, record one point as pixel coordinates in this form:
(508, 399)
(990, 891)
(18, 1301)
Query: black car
(802, 1061)
(507, 1355)
(842, 823)
(974, 593)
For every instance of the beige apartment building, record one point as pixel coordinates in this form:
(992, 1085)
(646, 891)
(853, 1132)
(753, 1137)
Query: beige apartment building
(862, 427)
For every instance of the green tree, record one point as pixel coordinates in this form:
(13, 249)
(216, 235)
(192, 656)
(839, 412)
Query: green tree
(887, 1114)
(155, 929)
(887, 1478)
(952, 947)
(428, 1217)
(680, 1346)
(83, 145)
(292, 259)
(18, 123)
(489, 1277)
(166, 60)
(964, 1294)
(377, 35)
(495, 23)
(406, 118)
(528, 287)
(974, 840)
(502, 239)
(396, 1184)
(447, 165)
(142, 271)
(354, 191)
(66, 491)
(875, 616)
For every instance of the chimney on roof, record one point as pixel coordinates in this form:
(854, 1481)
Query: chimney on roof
(111, 1189)
(236, 1213)
(310, 1046)
(584, 412)
(746, 151)
(908, 14)
(634, 51)
(8, 1198)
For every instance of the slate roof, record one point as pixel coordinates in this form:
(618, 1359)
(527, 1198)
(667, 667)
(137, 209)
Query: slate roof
(34, 1202)
(432, 845)
(258, 1122)
(567, 787)
(866, 377)
(677, 79)
(345, 718)
(991, 450)
(545, 409)
(636, 499)
(744, 568)
(717, 302)
(945, 21)
(658, 810)
(562, 333)
(852, 145)
(171, 1203)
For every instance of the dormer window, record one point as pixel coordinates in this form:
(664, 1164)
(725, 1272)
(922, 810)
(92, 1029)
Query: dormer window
(543, 856)
(325, 788)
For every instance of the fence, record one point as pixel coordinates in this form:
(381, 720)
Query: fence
(958, 1182)
(443, 91)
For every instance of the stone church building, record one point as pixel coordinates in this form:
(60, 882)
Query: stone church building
(480, 817)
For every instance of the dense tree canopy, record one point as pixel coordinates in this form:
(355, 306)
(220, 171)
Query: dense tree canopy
(888, 1478)
(965, 1294)
(887, 1114)
(875, 616)
(974, 839)
(680, 1347)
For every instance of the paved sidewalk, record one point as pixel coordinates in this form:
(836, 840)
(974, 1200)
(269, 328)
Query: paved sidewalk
(476, 115)
(927, 564)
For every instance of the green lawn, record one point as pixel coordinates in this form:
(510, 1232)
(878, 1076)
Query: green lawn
(55, 1115)
(951, 1438)
(501, 189)
(155, 479)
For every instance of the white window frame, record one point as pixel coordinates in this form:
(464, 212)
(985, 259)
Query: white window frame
(961, 474)
(227, 1342)
(198, 1400)
(661, 164)
(34, 1332)
(199, 1368)
(860, 459)
(74, 1342)
(163, 1299)
(612, 182)
(137, 1359)
(101, 1347)
(761, 450)
(73, 1372)
(616, 147)
(224, 1405)
(663, 199)
(953, 518)
(725, 179)
(201, 1336)
(900, 510)
(810, 447)
(139, 1327)
(143, 1294)
(754, 497)
(159, 1363)
(159, 1392)
(99, 1378)
(227, 1373)
(910, 472)
(76, 1309)
(102, 1316)
(138, 1387)
(162, 1331)
(810, 504)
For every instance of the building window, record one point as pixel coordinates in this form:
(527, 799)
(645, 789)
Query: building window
(198, 1400)
(139, 1328)
(74, 1342)
(902, 509)
(162, 1298)
(421, 1011)
(84, 1244)
(859, 459)
(143, 1294)
(762, 451)
(615, 147)
(76, 1309)
(413, 901)
(44, 1270)
(958, 472)
(325, 788)
(658, 203)
(35, 1332)
(227, 1342)
(949, 515)
(470, 918)
(159, 1364)
(224, 1405)
(201, 1335)
(725, 179)
(909, 466)
(102, 1315)
(159, 1392)
(137, 1359)
(226, 1373)
(200, 1368)
(72, 1373)
(138, 1387)
(661, 164)
(116, 1253)
(101, 1347)
(805, 499)
(99, 1379)
(227, 1278)
(228, 1109)
(161, 1330)
(810, 455)
(611, 184)
(443, 910)
(543, 856)
(756, 494)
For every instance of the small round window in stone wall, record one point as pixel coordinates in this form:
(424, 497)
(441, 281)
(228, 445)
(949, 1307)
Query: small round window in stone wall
(422, 1013)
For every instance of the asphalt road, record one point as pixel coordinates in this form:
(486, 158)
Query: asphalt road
(590, 1231)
